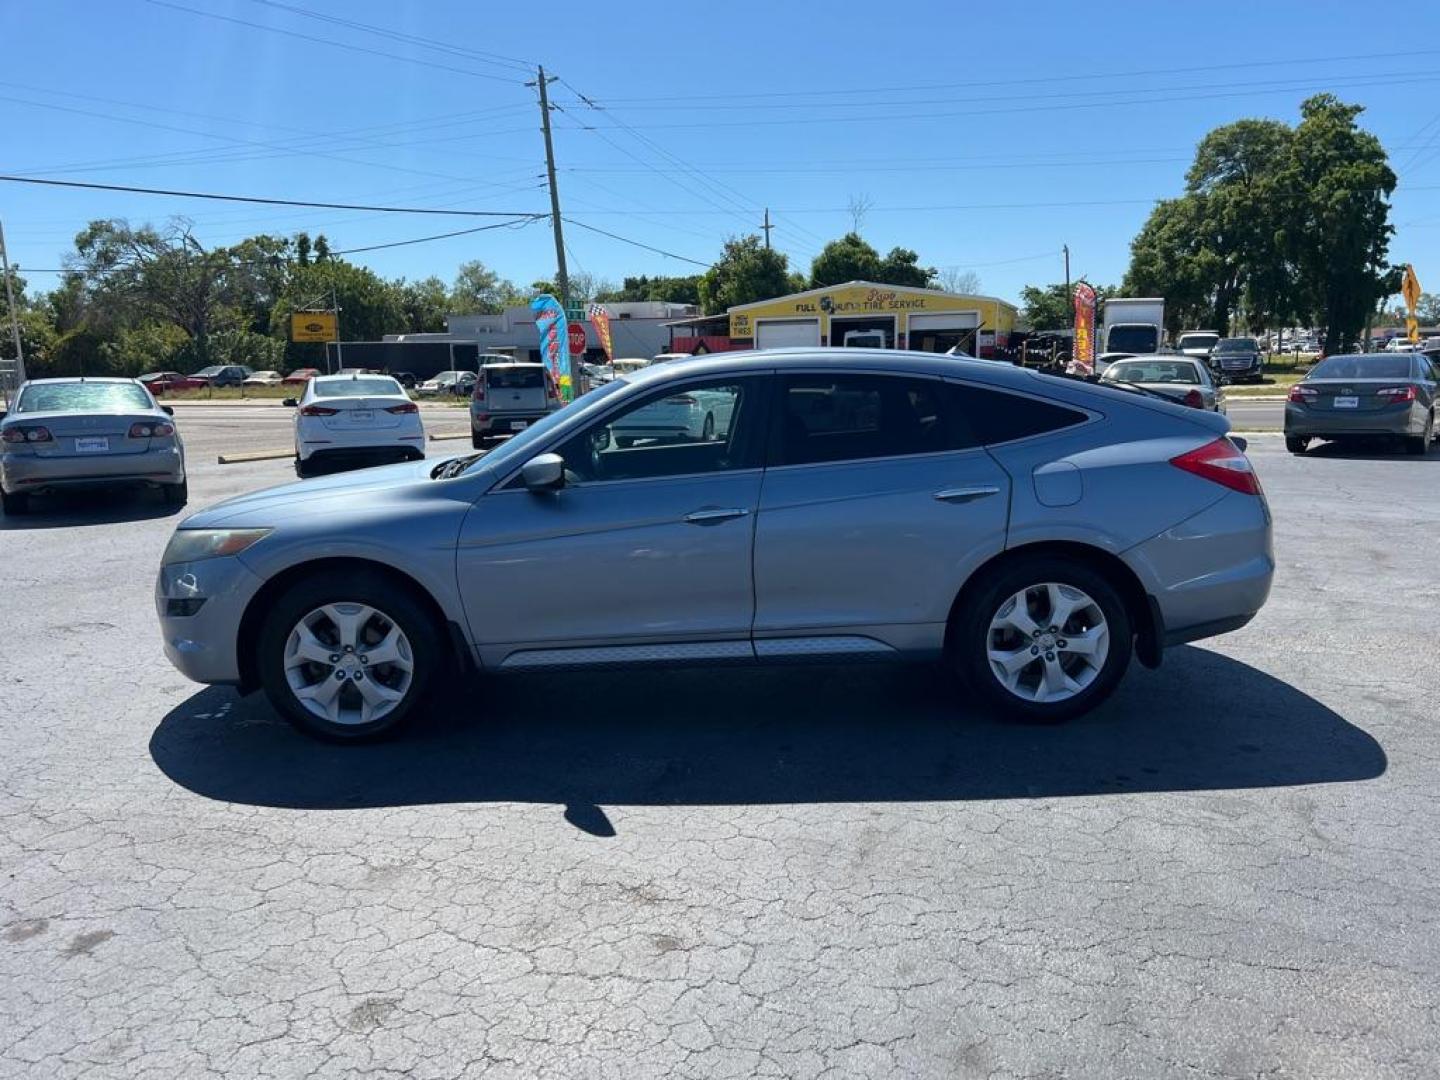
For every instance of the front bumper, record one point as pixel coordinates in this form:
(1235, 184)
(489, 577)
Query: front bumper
(203, 646)
(1303, 421)
(31, 472)
(1212, 572)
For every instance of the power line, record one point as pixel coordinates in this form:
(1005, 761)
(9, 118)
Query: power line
(331, 42)
(1034, 81)
(497, 59)
(519, 224)
(636, 243)
(50, 182)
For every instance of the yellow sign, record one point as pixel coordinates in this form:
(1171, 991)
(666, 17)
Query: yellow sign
(313, 326)
(866, 299)
(1412, 329)
(1410, 288)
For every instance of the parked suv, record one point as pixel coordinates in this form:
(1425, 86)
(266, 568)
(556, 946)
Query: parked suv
(1237, 359)
(1029, 531)
(222, 375)
(508, 398)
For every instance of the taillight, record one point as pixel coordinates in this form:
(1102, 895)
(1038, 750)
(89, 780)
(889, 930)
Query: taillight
(1194, 399)
(1302, 394)
(1223, 463)
(1396, 394)
(28, 434)
(478, 394)
(157, 430)
(408, 407)
(318, 410)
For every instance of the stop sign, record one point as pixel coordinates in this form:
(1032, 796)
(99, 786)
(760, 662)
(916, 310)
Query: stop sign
(577, 338)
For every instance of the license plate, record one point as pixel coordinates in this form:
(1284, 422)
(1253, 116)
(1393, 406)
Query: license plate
(516, 425)
(94, 444)
(1347, 403)
(362, 416)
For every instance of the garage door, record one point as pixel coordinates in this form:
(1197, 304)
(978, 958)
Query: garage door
(787, 333)
(959, 320)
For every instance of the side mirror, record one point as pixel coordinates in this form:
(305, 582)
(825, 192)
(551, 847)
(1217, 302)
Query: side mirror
(168, 410)
(290, 403)
(544, 473)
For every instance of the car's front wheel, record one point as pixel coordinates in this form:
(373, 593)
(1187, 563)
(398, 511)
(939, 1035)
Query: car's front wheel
(348, 657)
(1044, 639)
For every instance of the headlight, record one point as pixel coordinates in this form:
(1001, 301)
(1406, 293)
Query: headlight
(191, 545)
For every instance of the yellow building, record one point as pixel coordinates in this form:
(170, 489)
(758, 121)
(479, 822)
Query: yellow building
(883, 316)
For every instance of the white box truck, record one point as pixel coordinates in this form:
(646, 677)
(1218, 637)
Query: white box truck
(1133, 325)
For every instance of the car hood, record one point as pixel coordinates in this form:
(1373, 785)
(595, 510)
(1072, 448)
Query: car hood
(325, 495)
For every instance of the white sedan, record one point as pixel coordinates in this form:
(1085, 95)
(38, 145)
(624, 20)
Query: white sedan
(344, 421)
(694, 416)
(264, 378)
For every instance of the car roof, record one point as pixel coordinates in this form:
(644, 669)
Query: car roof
(79, 379)
(353, 376)
(515, 364)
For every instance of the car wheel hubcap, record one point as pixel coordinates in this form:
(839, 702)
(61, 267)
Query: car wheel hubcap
(349, 663)
(1048, 642)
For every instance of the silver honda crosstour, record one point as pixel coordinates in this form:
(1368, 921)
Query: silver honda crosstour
(1030, 531)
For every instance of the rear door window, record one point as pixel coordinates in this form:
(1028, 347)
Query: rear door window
(855, 417)
(997, 416)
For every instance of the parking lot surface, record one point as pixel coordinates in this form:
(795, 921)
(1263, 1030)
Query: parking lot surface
(1228, 870)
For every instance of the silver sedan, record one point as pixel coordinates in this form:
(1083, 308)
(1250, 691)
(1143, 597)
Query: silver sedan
(67, 433)
(1032, 532)
(1177, 377)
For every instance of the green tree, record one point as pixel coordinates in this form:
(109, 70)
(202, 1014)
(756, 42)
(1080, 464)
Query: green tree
(1052, 307)
(954, 280)
(1427, 311)
(849, 258)
(902, 267)
(478, 290)
(746, 271)
(674, 290)
(424, 305)
(1169, 258)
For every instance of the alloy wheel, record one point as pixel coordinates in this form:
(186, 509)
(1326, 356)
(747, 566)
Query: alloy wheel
(1048, 642)
(348, 663)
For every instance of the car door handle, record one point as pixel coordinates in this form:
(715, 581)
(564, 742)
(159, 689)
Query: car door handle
(966, 494)
(714, 517)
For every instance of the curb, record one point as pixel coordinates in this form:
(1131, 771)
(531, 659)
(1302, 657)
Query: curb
(254, 455)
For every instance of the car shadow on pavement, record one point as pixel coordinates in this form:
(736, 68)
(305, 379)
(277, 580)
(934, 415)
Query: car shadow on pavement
(76, 509)
(1371, 450)
(787, 735)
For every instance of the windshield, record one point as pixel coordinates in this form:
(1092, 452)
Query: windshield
(355, 387)
(1362, 367)
(1198, 341)
(1237, 344)
(517, 448)
(1151, 371)
(82, 397)
(1132, 339)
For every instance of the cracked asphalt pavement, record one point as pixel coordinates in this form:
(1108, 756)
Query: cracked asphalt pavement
(1227, 871)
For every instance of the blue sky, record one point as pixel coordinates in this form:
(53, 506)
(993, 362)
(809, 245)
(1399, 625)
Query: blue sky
(983, 136)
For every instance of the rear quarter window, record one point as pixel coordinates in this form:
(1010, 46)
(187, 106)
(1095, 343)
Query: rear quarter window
(997, 416)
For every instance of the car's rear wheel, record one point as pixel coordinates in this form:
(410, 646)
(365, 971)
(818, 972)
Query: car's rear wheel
(1419, 444)
(14, 503)
(1044, 639)
(1296, 444)
(477, 440)
(348, 657)
(178, 494)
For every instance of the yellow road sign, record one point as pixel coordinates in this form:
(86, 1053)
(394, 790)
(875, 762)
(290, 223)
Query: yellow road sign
(313, 326)
(1412, 328)
(1410, 288)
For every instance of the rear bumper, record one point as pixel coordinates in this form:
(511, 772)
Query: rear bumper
(1211, 573)
(498, 423)
(28, 472)
(1303, 421)
(341, 456)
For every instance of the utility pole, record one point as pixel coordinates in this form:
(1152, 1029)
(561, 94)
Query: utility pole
(562, 276)
(767, 226)
(339, 352)
(14, 319)
(1070, 299)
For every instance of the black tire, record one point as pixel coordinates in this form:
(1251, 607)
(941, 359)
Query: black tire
(1417, 444)
(178, 494)
(302, 469)
(1296, 444)
(970, 636)
(14, 503)
(477, 440)
(397, 603)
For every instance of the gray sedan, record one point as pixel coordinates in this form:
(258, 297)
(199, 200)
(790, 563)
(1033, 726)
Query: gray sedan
(1032, 532)
(1178, 377)
(1365, 395)
(66, 433)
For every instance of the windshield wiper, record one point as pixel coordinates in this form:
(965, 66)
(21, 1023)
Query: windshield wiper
(455, 466)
